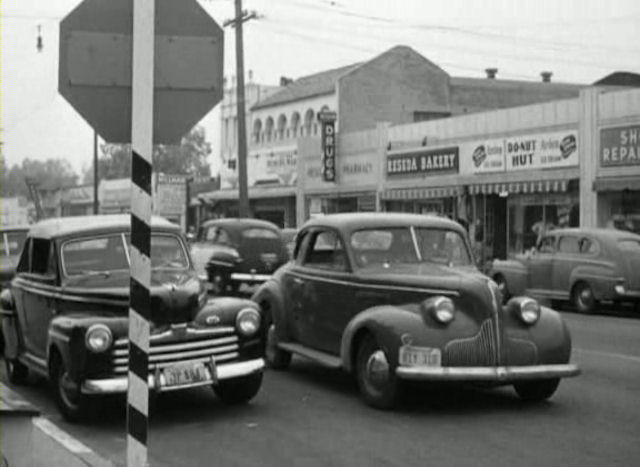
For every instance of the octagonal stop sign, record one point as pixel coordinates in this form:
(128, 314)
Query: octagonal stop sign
(95, 68)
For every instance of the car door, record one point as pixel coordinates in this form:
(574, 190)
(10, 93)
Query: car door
(39, 298)
(540, 265)
(566, 259)
(323, 291)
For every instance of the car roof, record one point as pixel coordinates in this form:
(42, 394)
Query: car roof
(65, 226)
(238, 223)
(614, 234)
(362, 220)
(15, 228)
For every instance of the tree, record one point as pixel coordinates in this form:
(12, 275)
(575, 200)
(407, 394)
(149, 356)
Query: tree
(189, 157)
(48, 174)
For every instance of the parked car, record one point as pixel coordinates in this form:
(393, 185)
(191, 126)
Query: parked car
(393, 297)
(11, 241)
(65, 317)
(231, 252)
(584, 266)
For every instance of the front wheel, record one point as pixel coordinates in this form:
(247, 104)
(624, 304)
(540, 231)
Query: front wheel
(16, 371)
(73, 405)
(583, 298)
(238, 390)
(535, 391)
(275, 357)
(378, 384)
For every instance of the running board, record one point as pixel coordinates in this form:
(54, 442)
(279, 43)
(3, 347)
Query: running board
(323, 358)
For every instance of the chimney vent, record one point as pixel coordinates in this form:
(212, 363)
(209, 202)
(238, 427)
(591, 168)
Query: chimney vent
(546, 76)
(491, 73)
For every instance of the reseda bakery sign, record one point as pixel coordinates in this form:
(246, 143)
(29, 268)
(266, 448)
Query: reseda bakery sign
(424, 162)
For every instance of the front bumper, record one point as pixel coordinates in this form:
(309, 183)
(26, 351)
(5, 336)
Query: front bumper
(499, 374)
(223, 371)
(625, 294)
(246, 277)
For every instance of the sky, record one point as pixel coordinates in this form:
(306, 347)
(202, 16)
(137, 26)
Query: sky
(580, 41)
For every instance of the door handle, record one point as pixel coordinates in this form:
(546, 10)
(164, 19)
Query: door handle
(298, 281)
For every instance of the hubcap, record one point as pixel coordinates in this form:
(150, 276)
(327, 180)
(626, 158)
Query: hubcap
(585, 296)
(377, 369)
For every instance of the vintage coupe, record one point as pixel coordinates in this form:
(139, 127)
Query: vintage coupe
(235, 251)
(584, 266)
(65, 317)
(391, 297)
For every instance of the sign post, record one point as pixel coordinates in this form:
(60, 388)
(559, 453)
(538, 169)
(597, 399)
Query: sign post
(141, 171)
(145, 72)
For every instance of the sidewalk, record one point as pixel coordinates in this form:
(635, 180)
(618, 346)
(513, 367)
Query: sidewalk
(27, 439)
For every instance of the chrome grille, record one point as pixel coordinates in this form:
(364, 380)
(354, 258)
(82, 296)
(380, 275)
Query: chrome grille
(220, 348)
(478, 350)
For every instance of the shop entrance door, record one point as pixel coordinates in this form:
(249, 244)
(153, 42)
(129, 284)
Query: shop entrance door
(500, 224)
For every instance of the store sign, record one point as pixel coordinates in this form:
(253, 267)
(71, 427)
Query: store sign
(328, 122)
(486, 156)
(424, 162)
(170, 195)
(620, 146)
(541, 151)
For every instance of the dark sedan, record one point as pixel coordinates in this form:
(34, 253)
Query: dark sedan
(396, 297)
(231, 252)
(65, 317)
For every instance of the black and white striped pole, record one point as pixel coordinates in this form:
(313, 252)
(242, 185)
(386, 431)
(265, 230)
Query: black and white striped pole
(141, 202)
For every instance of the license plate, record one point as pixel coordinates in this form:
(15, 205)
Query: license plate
(420, 356)
(186, 374)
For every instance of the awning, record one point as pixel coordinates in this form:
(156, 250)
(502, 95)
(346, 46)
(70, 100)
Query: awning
(421, 193)
(616, 183)
(546, 186)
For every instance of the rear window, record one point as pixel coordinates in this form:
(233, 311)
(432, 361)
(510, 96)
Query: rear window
(260, 233)
(629, 245)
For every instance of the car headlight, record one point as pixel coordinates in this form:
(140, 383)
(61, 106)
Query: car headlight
(248, 322)
(525, 308)
(98, 338)
(440, 308)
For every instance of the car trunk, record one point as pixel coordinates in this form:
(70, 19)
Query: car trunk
(264, 255)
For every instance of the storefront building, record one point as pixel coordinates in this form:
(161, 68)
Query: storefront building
(612, 177)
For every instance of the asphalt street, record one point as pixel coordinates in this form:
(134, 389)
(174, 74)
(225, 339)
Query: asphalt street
(310, 416)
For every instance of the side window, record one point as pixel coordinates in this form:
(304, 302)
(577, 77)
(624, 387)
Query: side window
(547, 245)
(568, 245)
(326, 251)
(210, 234)
(588, 246)
(40, 255)
(25, 258)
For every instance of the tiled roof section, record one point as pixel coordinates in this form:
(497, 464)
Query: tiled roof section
(307, 86)
(473, 94)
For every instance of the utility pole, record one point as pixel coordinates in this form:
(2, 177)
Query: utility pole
(241, 17)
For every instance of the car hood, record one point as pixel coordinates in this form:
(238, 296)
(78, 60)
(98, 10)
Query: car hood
(175, 294)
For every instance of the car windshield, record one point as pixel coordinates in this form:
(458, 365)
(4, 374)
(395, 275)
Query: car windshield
(396, 245)
(11, 243)
(102, 255)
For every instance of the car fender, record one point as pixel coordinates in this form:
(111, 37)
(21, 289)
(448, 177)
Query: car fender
(601, 277)
(387, 323)
(550, 335)
(514, 272)
(271, 301)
